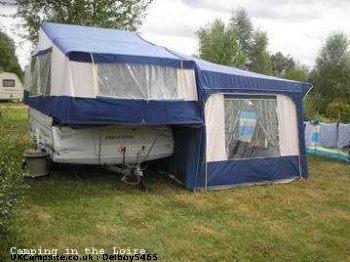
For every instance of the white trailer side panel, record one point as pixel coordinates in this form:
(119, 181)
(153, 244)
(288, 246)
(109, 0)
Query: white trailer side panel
(100, 145)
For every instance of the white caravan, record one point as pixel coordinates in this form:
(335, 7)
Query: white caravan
(10, 87)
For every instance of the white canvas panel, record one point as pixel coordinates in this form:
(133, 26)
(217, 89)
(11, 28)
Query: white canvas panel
(288, 126)
(44, 41)
(82, 79)
(60, 79)
(187, 85)
(70, 78)
(215, 128)
(27, 75)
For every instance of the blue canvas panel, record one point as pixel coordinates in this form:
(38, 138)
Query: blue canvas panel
(259, 170)
(214, 78)
(142, 60)
(109, 111)
(57, 31)
(107, 45)
(188, 156)
(129, 59)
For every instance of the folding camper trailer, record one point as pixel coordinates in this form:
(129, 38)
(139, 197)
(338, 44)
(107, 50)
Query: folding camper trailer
(222, 126)
(10, 87)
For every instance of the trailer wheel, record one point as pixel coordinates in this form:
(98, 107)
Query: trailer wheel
(144, 185)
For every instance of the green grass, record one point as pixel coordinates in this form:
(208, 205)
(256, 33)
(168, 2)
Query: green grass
(299, 221)
(13, 141)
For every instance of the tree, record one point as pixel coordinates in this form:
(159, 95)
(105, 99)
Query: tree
(219, 44)
(311, 105)
(8, 59)
(339, 110)
(118, 14)
(331, 75)
(260, 61)
(297, 73)
(281, 64)
(236, 44)
(252, 43)
(242, 26)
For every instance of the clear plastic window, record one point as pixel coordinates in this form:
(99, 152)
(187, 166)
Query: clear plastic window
(41, 77)
(147, 82)
(251, 127)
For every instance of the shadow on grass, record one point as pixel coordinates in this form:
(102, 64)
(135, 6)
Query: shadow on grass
(91, 181)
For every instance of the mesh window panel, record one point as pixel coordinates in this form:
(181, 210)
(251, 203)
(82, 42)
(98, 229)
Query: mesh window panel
(251, 128)
(137, 81)
(41, 77)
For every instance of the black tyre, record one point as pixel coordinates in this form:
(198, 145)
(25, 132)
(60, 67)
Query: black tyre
(144, 185)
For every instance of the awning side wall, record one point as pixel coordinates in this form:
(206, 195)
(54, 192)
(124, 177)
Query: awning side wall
(292, 164)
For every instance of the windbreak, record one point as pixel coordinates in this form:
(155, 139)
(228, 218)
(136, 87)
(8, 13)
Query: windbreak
(328, 139)
(148, 82)
(41, 74)
(344, 136)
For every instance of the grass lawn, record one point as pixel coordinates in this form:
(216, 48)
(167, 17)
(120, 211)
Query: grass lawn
(299, 221)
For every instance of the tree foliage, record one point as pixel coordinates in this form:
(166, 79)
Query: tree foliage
(235, 44)
(281, 64)
(117, 14)
(312, 104)
(260, 61)
(285, 67)
(339, 110)
(218, 43)
(242, 26)
(331, 75)
(297, 73)
(8, 59)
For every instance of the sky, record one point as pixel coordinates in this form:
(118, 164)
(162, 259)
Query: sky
(295, 27)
